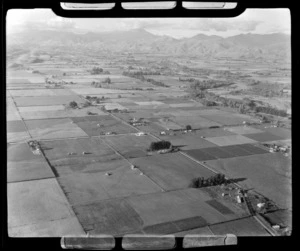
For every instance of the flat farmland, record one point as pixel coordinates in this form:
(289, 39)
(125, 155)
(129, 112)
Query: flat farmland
(44, 205)
(14, 81)
(56, 228)
(237, 151)
(41, 108)
(169, 207)
(217, 152)
(225, 118)
(15, 126)
(168, 124)
(283, 217)
(283, 133)
(83, 188)
(58, 111)
(97, 155)
(115, 217)
(20, 152)
(199, 155)
(130, 146)
(62, 92)
(178, 112)
(187, 141)
(148, 114)
(51, 100)
(263, 137)
(202, 231)
(120, 100)
(254, 149)
(26, 87)
(213, 132)
(195, 122)
(97, 125)
(147, 103)
(176, 101)
(148, 106)
(53, 129)
(113, 105)
(12, 113)
(23, 165)
(86, 111)
(28, 170)
(151, 128)
(240, 227)
(37, 79)
(269, 174)
(96, 91)
(186, 105)
(49, 114)
(171, 171)
(230, 140)
(243, 130)
(32, 93)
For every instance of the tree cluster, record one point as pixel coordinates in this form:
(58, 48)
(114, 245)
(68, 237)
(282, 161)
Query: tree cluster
(107, 80)
(208, 84)
(98, 70)
(37, 60)
(159, 145)
(73, 104)
(96, 84)
(208, 102)
(271, 110)
(215, 180)
(95, 99)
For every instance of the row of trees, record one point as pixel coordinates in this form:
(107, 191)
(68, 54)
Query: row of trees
(271, 110)
(157, 83)
(99, 84)
(215, 180)
(141, 73)
(159, 145)
(187, 79)
(208, 84)
(95, 99)
(140, 76)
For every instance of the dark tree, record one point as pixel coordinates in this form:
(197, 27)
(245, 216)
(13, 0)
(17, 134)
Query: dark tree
(159, 145)
(73, 104)
(188, 127)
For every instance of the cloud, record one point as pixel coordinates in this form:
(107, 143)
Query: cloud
(19, 19)
(60, 23)
(223, 25)
(203, 24)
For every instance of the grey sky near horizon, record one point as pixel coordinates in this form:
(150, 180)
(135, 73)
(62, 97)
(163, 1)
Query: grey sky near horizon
(259, 21)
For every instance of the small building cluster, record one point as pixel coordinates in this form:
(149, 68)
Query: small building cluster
(138, 122)
(277, 148)
(35, 147)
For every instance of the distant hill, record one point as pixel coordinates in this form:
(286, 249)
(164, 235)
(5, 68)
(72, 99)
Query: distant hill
(274, 46)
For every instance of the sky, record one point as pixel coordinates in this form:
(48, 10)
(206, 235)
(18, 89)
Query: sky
(258, 21)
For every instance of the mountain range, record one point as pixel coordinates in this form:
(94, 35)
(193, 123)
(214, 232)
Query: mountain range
(274, 46)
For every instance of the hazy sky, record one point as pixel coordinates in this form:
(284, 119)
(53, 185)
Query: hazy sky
(261, 21)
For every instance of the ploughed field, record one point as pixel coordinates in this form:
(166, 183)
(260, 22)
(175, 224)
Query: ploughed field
(94, 173)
